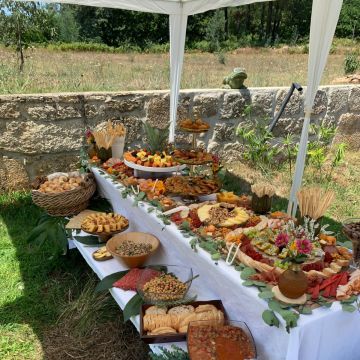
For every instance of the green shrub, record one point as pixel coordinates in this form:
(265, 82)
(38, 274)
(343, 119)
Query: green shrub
(202, 46)
(351, 63)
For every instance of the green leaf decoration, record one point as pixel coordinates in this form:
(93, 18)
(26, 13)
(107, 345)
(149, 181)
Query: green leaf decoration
(267, 294)
(350, 300)
(248, 283)
(89, 240)
(291, 319)
(140, 196)
(247, 272)
(324, 302)
(239, 267)
(305, 310)
(275, 305)
(348, 308)
(216, 256)
(185, 226)
(132, 308)
(107, 282)
(270, 318)
(174, 354)
(259, 283)
(150, 209)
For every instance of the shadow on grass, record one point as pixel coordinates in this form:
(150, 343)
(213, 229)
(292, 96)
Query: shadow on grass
(45, 287)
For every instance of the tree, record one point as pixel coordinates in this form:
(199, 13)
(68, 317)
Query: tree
(21, 22)
(67, 26)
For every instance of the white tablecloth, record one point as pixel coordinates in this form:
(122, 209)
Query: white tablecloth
(327, 334)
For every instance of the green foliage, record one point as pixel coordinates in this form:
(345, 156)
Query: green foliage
(351, 63)
(67, 27)
(214, 32)
(22, 23)
(174, 354)
(51, 230)
(259, 149)
(132, 307)
(156, 139)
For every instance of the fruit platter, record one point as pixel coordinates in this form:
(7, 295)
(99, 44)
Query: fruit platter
(192, 157)
(191, 186)
(146, 161)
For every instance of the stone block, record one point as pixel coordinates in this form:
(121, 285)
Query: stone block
(288, 126)
(124, 103)
(34, 137)
(158, 110)
(224, 132)
(262, 104)
(205, 105)
(349, 131)
(13, 175)
(9, 110)
(54, 112)
(234, 104)
(41, 165)
(293, 107)
(338, 100)
(320, 102)
(354, 99)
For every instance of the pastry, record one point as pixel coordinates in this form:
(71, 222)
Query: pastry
(101, 254)
(104, 222)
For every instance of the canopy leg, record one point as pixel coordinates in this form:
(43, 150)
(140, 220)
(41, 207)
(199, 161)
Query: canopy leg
(178, 24)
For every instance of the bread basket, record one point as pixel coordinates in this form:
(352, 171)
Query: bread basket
(69, 202)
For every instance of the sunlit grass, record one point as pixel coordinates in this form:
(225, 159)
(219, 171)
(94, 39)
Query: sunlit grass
(57, 71)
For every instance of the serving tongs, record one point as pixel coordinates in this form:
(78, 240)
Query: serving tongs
(229, 261)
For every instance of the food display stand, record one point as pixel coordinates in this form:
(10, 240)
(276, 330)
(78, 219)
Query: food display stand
(325, 334)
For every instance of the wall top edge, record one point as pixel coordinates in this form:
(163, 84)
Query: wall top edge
(166, 91)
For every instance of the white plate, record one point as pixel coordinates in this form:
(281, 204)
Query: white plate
(169, 169)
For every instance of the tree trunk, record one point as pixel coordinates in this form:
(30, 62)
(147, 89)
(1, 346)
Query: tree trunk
(226, 15)
(262, 21)
(20, 49)
(269, 20)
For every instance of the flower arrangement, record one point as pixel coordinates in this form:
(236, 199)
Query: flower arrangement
(298, 242)
(89, 136)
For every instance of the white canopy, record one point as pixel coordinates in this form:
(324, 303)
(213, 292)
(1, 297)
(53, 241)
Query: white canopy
(325, 15)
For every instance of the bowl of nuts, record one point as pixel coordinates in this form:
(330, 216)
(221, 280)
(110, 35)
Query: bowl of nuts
(169, 285)
(132, 248)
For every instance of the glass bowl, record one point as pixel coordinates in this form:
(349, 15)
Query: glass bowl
(208, 340)
(168, 284)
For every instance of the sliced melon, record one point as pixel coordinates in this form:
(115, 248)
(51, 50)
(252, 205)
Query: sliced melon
(204, 211)
(240, 217)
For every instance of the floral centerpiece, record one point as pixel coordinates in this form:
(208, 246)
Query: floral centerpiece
(299, 244)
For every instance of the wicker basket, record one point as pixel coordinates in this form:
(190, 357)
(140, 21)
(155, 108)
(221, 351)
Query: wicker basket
(68, 202)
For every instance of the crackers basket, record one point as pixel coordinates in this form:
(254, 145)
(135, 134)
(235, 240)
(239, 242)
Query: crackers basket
(66, 203)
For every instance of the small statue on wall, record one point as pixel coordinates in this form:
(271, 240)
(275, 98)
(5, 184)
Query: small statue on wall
(236, 79)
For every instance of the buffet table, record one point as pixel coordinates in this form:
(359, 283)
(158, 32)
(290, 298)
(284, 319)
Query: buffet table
(326, 334)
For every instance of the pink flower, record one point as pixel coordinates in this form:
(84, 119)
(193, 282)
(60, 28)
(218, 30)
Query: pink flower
(88, 133)
(282, 240)
(304, 246)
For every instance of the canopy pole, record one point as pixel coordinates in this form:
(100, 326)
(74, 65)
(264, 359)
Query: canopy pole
(324, 17)
(178, 24)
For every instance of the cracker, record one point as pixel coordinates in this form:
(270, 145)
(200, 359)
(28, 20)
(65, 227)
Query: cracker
(205, 307)
(163, 330)
(156, 310)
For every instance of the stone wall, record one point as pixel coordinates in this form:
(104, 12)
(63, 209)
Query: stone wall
(40, 134)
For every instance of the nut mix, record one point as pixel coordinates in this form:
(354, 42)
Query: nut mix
(164, 287)
(131, 248)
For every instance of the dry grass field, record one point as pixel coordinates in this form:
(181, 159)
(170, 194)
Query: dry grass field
(57, 71)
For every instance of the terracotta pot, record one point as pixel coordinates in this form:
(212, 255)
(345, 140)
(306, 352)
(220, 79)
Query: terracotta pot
(293, 282)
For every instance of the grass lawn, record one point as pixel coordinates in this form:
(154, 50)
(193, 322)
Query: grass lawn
(43, 299)
(57, 71)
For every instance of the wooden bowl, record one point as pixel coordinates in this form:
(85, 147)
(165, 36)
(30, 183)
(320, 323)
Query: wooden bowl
(138, 237)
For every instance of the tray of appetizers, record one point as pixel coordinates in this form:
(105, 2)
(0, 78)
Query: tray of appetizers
(194, 126)
(192, 157)
(191, 186)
